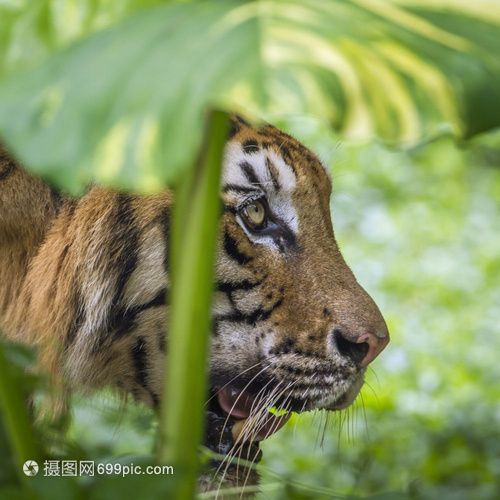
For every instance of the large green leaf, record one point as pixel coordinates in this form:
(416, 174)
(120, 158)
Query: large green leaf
(125, 103)
(29, 30)
(130, 98)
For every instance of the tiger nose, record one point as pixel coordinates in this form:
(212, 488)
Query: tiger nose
(362, 349)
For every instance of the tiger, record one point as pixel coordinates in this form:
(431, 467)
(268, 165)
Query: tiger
(86, 281)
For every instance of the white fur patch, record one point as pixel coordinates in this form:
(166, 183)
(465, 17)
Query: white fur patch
(280, 200)
(146, 281)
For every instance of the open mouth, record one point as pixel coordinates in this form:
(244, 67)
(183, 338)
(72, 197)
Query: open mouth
(237, 417)
(241, 417)
(252, 421)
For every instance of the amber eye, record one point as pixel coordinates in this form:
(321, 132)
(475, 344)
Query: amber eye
(255, 214)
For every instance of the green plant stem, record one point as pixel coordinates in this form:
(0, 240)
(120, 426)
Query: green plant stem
(193, 244)
(15, 416)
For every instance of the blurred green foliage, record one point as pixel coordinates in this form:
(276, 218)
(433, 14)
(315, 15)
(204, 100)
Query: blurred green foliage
(98, 90)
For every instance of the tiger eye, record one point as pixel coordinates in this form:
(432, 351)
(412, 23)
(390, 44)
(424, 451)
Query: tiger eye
(255, 213)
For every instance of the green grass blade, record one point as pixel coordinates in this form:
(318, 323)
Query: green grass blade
(15, 416)
(194, 235)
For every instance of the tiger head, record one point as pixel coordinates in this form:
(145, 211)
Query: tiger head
(292, 326)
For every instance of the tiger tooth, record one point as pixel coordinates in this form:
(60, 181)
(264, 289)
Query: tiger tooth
(256, 430)
(237, 429)
(234, 392)
(247, 424)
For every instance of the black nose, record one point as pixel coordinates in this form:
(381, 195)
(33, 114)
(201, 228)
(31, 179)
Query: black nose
(356, 351)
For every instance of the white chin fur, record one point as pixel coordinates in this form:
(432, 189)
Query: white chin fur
(345, 399)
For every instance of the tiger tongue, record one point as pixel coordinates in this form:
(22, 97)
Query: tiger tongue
(235, 403)
(238, 405)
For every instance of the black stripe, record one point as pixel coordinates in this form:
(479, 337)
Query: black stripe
(7, 163)
(155, 398)
(252, 318)
(241, 120)
(231, 248)
(285, 153)
(273, 172)
(215, 327)
(57, 199)
(60, 263)
(124, 321)
(9, 169)
(285, 239)
(250, 174)
(239, 189)
(78, 303)
(227, 287)
(123, 257)
(125, 250)
(230, 209)
(159, 300)
(234, 128)
(236, 123)
(162, 341)
(140, 358)
(250, 146)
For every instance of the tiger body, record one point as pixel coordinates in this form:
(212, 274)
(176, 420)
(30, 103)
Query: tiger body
(86, 280)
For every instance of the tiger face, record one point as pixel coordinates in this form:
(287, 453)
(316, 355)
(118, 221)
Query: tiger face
(292, 327)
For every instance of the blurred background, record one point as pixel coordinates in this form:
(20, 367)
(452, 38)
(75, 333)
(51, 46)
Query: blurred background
(401, 100)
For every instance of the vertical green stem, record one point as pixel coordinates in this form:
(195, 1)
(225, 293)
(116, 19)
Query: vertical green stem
(194, 236)
(15, 416)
